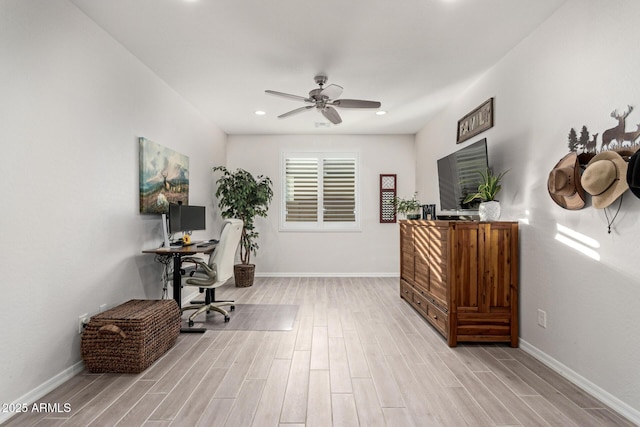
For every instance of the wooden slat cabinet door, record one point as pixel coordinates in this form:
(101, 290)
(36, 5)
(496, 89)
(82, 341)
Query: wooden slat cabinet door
(499, 288)
(465, 283)
(407, 253)
(438, 264)
(495, 262)
(421, 258)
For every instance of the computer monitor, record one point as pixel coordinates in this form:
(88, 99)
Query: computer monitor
(186, 218)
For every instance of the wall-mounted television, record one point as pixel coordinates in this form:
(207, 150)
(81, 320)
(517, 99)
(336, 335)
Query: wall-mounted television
(186, 218)
(458, 176)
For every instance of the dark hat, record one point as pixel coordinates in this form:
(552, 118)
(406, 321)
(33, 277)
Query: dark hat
(633, 174)
(604, 178)
(564, 183)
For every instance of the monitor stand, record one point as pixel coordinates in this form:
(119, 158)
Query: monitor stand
(165, 233)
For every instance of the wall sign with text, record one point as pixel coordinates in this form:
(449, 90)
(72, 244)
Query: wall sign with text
(476, 121)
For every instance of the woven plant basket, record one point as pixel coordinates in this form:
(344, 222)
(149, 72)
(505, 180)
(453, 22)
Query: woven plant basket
(243, 274)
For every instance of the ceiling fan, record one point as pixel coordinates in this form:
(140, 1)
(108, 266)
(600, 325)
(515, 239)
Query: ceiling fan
(324, 99)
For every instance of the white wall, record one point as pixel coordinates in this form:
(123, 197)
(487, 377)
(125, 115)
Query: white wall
(372, 251)
(73, 104)
(573, 71)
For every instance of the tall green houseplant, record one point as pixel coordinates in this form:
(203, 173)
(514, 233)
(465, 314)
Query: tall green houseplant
(242, 196)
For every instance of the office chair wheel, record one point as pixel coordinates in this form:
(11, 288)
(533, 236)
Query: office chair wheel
(232, 308)
(190, 323)
(226, 319)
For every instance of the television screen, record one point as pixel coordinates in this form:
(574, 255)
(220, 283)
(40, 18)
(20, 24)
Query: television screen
(186, 218)
(458, 176)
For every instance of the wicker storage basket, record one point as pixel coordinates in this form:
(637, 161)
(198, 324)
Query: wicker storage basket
(130, 337)
(243, 274)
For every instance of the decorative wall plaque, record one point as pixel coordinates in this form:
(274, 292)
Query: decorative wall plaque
(387, 198)
(476, 121)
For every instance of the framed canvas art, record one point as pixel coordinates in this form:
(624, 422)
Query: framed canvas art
(164, 177)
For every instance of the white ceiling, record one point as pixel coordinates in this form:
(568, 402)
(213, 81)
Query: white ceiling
(413, 56)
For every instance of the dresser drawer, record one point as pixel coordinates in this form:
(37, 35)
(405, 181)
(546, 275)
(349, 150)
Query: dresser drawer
(438, 318)
(421, 304)
(406, 291)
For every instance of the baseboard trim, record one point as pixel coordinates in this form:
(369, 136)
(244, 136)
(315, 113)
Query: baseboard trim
(599, 393)
(327, 275)
(44, 388)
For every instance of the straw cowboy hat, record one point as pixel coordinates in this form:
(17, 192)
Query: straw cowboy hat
(633, 174)
(604, 178)
(564, 183)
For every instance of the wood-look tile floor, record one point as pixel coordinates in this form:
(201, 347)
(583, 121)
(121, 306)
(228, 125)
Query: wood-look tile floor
(357, 356)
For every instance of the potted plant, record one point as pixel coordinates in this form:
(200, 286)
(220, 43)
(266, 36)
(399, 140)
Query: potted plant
(489, 187)
(242, 196)
(408, 208)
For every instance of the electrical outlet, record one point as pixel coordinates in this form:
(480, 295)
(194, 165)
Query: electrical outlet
(542, 318)
(83, 320)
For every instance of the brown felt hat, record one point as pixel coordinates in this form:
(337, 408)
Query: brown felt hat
(605, 178)
(564, 183)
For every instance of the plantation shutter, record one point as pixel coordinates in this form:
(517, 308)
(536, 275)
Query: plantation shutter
(301, 189)
(319, 191)
(339, 190)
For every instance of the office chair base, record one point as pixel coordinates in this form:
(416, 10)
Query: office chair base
(214, 305)
(191, 330)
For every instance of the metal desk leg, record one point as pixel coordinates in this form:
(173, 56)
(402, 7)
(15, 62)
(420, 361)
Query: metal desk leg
(177, 291)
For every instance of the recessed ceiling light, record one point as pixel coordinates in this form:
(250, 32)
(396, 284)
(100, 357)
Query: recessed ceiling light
(260, 113)
(381, 113)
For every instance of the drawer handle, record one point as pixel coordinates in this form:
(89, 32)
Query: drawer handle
(418, 302)
(435, 316)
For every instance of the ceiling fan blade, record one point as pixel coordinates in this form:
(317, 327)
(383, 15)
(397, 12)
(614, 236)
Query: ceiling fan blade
(288, 95)
(331, 91)
(331, 114)
(355, 103)
(296, 111)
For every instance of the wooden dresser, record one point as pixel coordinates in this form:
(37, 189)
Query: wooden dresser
(462, 277)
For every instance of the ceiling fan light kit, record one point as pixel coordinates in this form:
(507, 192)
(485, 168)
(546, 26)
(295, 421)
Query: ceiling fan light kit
(324, 100)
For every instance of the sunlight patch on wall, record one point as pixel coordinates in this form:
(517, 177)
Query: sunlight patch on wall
(578, 241)
(524, 220)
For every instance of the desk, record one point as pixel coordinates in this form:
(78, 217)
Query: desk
(177, 253)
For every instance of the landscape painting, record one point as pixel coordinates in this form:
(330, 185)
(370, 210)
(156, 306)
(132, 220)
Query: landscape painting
(164, 177)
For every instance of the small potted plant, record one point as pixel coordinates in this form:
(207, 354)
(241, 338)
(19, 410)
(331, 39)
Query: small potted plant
(242, 196)
(408, 208)
(489, 187)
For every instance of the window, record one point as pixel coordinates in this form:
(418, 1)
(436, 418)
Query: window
(320, 191)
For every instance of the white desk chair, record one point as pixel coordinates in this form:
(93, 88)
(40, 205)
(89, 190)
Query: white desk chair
(217, 271)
